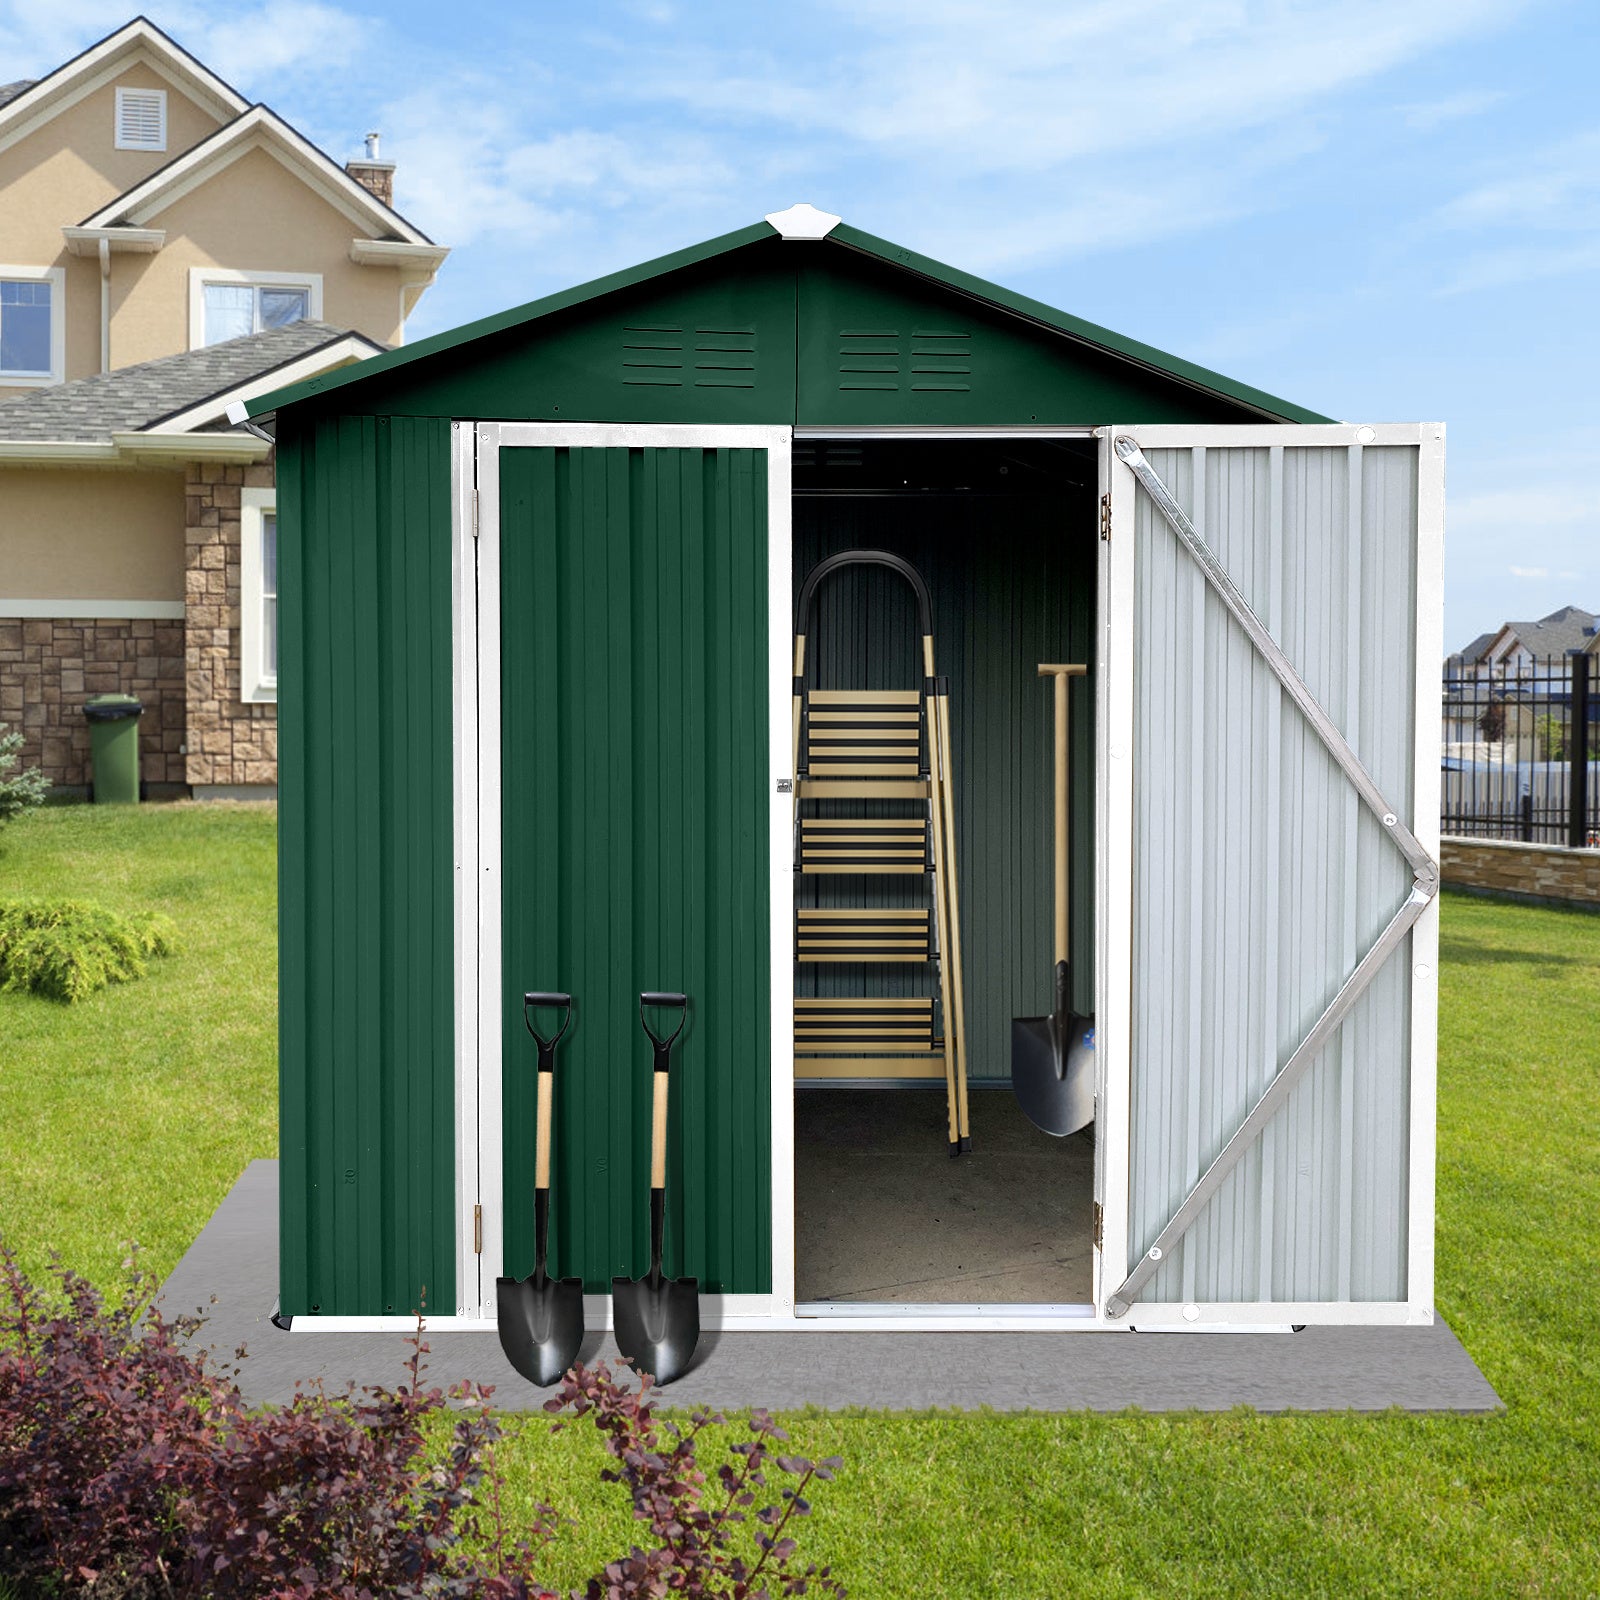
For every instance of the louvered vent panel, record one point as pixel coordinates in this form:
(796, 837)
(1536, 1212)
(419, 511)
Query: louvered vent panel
(724, 358)
(869, 358)
(653, 355)
(941, 360)
(141, 119)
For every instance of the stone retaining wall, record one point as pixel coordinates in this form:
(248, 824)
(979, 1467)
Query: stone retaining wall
(48, 666)
(1543, 872)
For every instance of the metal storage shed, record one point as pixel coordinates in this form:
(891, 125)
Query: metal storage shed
(537, 579)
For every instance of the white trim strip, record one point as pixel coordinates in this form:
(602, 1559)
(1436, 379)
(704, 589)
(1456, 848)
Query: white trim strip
(464, 701)
(893, 430)
(339, 353)
(112, 610)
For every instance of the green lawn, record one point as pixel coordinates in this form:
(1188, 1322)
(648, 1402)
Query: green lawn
(131, 1115)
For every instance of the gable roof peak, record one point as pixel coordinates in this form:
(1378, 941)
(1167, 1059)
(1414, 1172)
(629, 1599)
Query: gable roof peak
(44, 97)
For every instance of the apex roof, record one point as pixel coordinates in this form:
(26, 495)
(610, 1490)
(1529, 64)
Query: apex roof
(1571, 628)
(808, 229)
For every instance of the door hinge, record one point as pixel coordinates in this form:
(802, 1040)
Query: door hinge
(476, 527)
(1099, 1224)
(477, 1230)
(1105, 515)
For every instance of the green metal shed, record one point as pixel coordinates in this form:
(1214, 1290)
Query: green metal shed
(537, 579)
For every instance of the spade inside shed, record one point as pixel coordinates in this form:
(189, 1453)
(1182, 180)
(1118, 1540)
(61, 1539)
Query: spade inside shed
(538, 579)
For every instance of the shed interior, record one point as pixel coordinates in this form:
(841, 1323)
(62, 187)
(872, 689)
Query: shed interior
(1003, 533)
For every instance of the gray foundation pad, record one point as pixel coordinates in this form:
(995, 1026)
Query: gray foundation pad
(235, 1260)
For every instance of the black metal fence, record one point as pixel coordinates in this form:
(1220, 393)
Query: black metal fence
(1522, 750)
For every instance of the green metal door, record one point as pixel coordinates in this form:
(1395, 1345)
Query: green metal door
(634, 827)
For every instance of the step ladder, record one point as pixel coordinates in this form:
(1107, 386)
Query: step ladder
(879, 745)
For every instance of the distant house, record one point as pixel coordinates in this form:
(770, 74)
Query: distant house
(166, 248)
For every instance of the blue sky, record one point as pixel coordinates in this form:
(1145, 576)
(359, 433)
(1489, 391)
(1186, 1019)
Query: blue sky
(1382, 209)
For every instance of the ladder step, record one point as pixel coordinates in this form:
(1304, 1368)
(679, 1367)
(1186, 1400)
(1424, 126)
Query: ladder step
(828, 934)
(861, 733)
(853, 1026)
(869, 844)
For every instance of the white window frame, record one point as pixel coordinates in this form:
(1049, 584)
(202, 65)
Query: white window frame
(123, 91)
(199, 277)
(56, 277)
(257, 686)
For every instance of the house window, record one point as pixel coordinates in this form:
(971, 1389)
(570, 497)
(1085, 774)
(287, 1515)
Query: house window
(141, 119)
(32, 325)
(258, 595)
(232, 305)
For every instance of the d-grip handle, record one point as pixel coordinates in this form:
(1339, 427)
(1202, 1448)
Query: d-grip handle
(547, 1062)
(658, 1110)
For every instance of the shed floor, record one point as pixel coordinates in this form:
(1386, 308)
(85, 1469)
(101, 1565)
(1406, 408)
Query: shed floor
(230, 1275)
(883, 1214)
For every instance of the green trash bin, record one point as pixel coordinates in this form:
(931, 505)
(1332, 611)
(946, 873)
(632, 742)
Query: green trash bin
(114, 741)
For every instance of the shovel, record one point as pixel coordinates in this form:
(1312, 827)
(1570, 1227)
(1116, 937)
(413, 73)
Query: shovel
(656, 1319)
(1052, 1058)
(540, 1317)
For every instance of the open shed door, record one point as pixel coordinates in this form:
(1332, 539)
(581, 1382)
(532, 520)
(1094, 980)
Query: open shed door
(1270, 821)
(618, 825)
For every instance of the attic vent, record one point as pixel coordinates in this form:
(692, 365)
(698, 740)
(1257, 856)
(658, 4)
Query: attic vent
(941, 360)
(724, 358)
(869, 358)
(141, 119)
(653, 355)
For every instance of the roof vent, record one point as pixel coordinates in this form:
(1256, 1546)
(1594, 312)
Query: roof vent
(141, 119)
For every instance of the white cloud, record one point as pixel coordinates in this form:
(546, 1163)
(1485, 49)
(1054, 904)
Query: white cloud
(1529, 572)
(245, 44)
(1431, 114)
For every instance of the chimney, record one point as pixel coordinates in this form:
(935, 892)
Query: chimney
(373, 174)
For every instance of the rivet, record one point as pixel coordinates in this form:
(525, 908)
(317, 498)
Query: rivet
(1365, 435)
(1191, 1313)
(1155, 1252)
(1423, 969)
(1389, 819)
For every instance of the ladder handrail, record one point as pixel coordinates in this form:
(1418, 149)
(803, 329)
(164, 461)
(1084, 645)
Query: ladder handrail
(863, 558)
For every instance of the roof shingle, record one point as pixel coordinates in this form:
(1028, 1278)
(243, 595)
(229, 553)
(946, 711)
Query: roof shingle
(91, 409)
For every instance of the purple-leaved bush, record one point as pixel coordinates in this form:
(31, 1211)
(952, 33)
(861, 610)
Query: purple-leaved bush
(132, 1469)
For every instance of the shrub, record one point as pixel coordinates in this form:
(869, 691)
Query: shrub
(131, 1468)
(66, 949)
(18, 790)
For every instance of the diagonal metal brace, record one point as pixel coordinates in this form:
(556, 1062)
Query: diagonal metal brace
(1425, 872)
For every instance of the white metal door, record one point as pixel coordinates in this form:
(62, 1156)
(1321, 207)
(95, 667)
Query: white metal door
(1269, 790)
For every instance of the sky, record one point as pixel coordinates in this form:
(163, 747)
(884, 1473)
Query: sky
(1383, 210)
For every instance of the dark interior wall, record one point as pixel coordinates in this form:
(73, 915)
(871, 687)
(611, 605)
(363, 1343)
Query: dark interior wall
(1012, 578)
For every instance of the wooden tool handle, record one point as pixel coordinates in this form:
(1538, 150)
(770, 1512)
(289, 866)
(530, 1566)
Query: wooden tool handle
(541, 1177)
(658, 1134)
(1061, 671)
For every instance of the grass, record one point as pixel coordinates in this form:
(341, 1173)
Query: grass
(132, 1113)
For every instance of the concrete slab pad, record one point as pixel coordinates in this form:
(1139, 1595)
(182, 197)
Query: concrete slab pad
(235, 1259)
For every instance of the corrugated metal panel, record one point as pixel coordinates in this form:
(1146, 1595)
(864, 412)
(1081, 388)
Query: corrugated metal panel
(1259, 879)
(366, 927)
(1012, 580)
(633, 670)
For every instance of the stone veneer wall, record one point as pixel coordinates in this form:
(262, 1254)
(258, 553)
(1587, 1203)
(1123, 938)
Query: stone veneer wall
(1543, 872)
(229, 742)
(48, 666)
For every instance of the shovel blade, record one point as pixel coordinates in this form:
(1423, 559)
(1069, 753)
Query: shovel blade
(657, 1326)
(1052, 1071)
(540, 1327)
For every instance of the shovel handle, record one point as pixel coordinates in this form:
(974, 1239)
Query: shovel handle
(541, 1176)
(1061, 671)
(658, 1133)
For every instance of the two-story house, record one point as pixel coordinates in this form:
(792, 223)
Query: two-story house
(166, 248)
